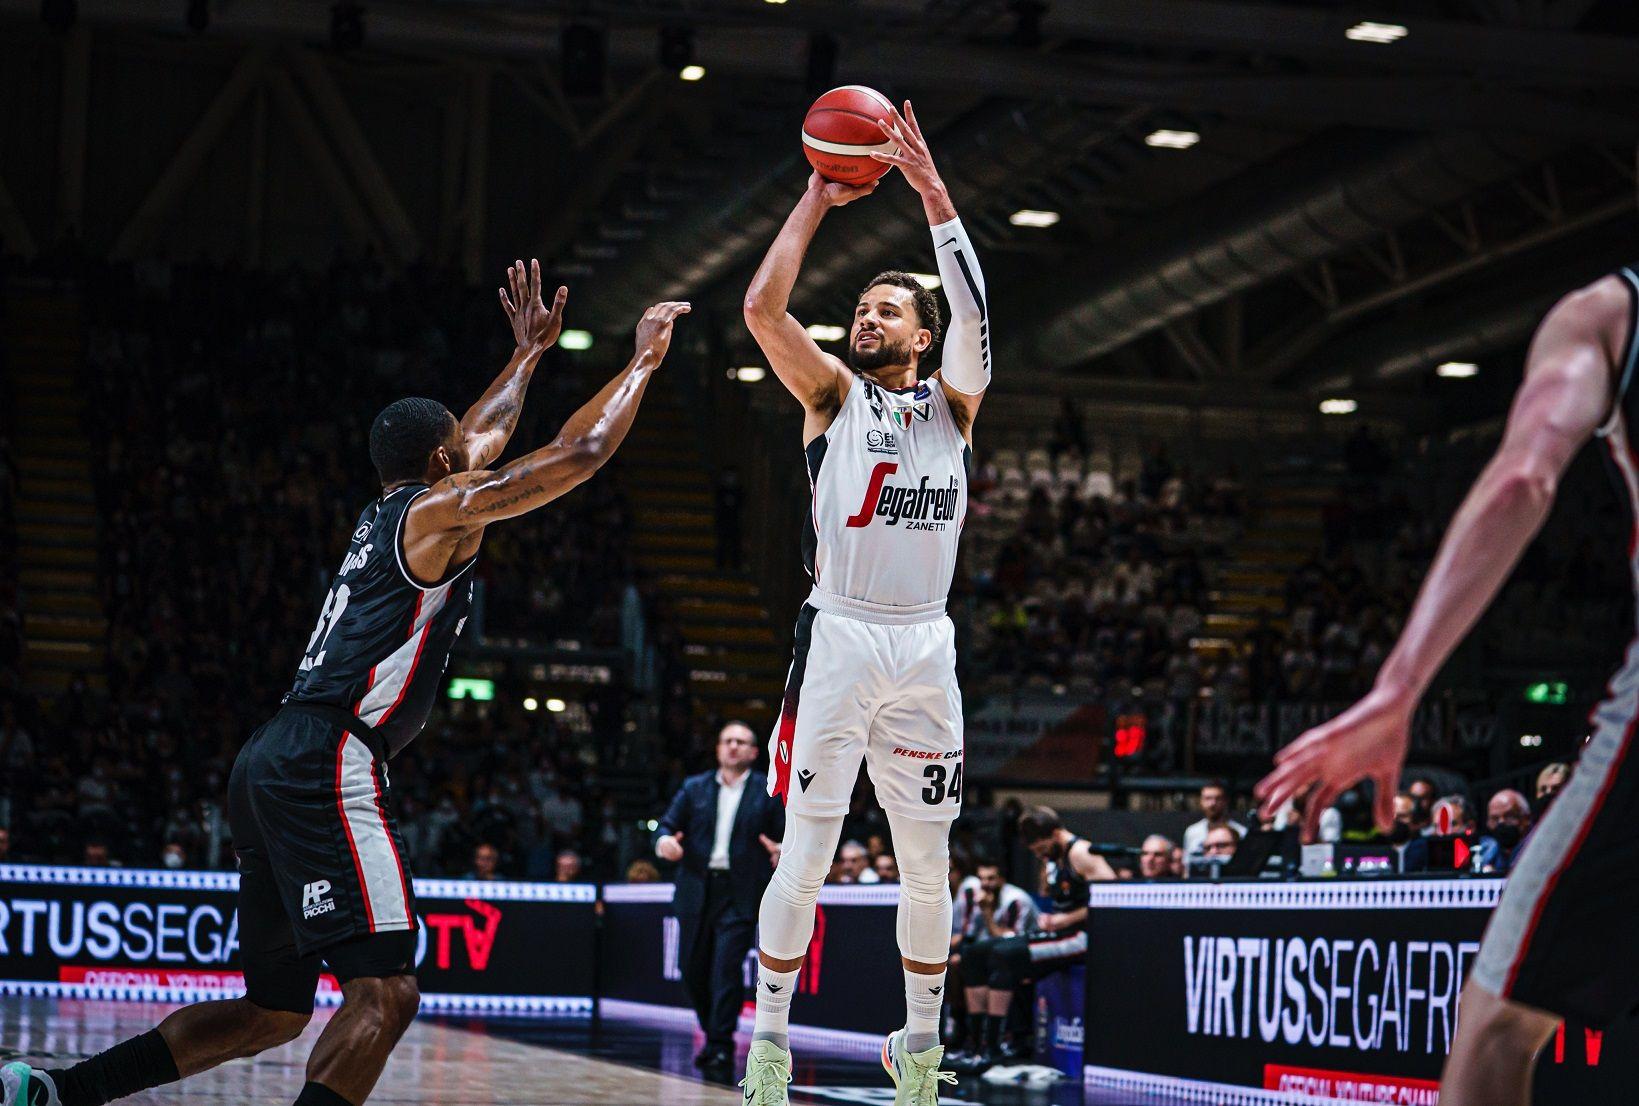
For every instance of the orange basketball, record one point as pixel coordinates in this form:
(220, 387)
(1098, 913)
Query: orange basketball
(840, 131)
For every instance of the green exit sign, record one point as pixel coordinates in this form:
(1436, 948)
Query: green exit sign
(465, 687)
(1552, 693)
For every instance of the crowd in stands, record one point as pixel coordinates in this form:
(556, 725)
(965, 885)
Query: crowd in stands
(1085, 572)
(228, 412)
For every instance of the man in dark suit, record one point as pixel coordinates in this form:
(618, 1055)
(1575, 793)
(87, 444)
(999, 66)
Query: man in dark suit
(723, 831)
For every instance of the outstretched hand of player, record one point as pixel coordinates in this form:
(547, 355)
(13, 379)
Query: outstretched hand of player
(912, 158)
(835, 193)
(1366, 742)
(533, 325)
(654, 330)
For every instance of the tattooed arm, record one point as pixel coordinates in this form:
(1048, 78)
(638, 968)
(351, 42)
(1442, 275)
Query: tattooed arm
(488, 424)
(445, 524)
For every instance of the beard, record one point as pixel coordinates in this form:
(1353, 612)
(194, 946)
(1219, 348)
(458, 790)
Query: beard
(884, 354)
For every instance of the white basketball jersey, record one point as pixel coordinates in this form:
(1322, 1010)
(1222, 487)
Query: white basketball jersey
(890, 480)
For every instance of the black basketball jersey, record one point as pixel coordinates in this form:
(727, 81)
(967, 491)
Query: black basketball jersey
(383, 637)
(1066, 887)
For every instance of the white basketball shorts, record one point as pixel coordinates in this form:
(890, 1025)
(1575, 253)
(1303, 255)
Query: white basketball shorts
(882, 690)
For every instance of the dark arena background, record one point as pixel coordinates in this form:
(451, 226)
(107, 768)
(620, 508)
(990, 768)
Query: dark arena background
(1262, 275)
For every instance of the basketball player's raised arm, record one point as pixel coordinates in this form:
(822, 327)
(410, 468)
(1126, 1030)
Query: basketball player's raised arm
(488, 424)
(816, 378)
(468, 501)
(1565, 397)
(964, 367)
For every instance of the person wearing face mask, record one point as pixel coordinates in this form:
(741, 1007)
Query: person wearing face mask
(1507, 821)
(175, 856)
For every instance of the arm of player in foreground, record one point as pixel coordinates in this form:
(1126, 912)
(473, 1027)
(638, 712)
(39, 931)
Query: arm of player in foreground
(488, 424)
(468, 501)
(964, 366)
(816, 378)
(1566, 394)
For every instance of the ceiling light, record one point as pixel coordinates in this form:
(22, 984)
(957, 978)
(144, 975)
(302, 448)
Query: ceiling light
(531, 704)
(575, 339)
(692, 72)
(1172, 140)
(1382, 34)
(773, 1)
(1338, 407)
(1457, 370)
(556, 706)
(930, 281)
(1028, 217)
(822, 333)
(748, 374)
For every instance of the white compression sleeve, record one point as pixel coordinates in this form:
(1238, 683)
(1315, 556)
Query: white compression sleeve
(786, 919)
(923, 852)
(965, 364)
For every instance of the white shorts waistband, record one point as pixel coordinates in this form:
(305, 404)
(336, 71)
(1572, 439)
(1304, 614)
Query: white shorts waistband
(885, 614)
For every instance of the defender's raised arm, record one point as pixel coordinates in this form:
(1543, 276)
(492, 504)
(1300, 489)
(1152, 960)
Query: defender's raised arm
(464, 503)
(1564, 399)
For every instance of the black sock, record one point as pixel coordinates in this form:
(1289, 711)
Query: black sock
(317, 1094)
(976, 1032)
(993, 1031)
(123, 1070)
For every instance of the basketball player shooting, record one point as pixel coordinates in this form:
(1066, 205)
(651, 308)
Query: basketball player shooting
(874, 672)
(1560, 944)
(322, 878)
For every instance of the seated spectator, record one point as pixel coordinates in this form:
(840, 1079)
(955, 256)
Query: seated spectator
(991, 909)
(486, 858)
(1410, 818)
(642, 870)
(1549, 782)
(96, 854)
(1221, 842)
(855, 864)
(568, 868)
(1507, 821)
(1155, 858)
(1214, 802)
(886, 867)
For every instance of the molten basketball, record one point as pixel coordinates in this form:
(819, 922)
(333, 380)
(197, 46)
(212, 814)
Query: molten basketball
(840, 131)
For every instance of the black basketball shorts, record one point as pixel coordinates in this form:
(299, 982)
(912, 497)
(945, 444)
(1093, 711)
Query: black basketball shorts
(1562, 936)
(322, 875)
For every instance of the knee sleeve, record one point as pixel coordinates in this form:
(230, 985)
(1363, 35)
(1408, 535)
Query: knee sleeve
(922, 850)
(786, 920)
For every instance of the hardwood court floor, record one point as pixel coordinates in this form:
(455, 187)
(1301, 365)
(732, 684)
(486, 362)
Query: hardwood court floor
(469, 1061)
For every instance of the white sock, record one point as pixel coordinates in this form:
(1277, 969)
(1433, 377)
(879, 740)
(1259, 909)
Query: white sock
(774, 991)
(924, 995)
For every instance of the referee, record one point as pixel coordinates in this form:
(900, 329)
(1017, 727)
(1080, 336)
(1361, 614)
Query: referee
(723, 831)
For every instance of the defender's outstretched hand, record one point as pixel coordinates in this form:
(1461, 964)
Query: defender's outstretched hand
(1366, 742)
(654, 330)
(533, 325)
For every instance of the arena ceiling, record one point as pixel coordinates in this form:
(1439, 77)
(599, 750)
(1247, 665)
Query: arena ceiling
(1353, 213)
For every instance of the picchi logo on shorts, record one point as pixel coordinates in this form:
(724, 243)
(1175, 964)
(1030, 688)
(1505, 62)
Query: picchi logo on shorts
(314, 902)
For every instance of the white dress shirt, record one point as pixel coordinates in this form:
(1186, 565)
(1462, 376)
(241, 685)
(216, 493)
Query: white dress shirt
(728, 805)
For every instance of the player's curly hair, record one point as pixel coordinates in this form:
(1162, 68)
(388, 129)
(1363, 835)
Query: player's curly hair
(927, 304)
(404, 436)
